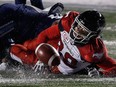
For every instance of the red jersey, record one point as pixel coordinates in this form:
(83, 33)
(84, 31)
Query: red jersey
(52, 34)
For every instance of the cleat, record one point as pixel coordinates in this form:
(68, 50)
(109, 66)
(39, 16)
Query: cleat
(57, 8)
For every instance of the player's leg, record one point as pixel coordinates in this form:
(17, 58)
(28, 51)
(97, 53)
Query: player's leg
(37, 3)
(20, 1)
(7, 13)
(56, 8)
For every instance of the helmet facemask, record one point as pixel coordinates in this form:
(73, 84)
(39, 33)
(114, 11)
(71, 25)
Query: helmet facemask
(81, 34)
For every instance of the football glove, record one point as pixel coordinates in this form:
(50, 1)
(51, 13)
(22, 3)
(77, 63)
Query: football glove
(93, 72)
(40, 68)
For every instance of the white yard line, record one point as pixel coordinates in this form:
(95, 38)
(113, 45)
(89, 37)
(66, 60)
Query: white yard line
(32, 81)
(110, 42)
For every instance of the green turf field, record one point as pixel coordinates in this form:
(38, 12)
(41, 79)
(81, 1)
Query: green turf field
(109, 36)
(64, 82)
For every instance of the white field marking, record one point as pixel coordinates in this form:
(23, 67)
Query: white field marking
(111, 28)
(33, 81)
(110, 42)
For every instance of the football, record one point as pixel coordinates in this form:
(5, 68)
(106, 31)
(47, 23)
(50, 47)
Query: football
(47, 54)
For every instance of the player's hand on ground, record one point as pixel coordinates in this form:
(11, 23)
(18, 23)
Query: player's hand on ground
(40, 68)
(93, 72)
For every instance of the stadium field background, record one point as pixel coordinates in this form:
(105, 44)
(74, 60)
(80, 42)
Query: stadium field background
(109, 37)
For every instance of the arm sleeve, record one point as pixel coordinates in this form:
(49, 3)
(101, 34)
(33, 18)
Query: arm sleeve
(107, 62)
(52, 33)
(108, 65)
(49, 34)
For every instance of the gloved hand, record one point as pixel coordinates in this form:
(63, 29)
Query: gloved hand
(93, 72)
(38, 66)
(41, 68)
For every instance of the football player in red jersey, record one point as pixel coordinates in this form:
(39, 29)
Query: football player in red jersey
(77, 38)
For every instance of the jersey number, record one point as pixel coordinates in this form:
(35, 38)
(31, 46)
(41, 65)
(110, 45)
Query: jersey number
(69, 60)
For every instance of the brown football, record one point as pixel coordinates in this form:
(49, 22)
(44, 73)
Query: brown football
(47, 54)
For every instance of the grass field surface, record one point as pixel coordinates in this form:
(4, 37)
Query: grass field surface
(109, 37)
(66, 82)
